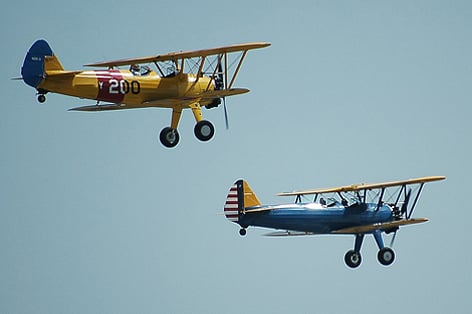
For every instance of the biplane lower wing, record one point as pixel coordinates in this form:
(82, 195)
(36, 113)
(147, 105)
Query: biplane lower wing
(380, 226)
(168, 102)
(187, 100)
(353, 230)
(106, 107)
(223, 93)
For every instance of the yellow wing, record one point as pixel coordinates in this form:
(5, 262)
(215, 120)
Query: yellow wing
(359, 187)
(167, 102)
(182, 55)
(354, 230)
(380, 226)
(186, 100)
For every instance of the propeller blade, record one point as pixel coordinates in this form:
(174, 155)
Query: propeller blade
(226, 113)
(393, 238)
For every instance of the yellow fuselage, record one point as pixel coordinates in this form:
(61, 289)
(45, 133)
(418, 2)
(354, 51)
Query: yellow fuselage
(123, 87)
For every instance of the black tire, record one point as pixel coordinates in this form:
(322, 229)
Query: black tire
(204, 130)
(41, 98)
(169, 137)
(386, 256)
(353, 258)
(242, 232)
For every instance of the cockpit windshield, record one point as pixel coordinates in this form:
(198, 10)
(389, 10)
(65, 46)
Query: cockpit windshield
(138, 70)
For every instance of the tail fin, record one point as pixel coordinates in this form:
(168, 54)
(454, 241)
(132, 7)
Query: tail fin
(38, 61)
(239, 198)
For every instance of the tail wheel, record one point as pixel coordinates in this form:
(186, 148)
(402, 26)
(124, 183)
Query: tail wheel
(242, 232)
(386, 256)
(353, 258)
(41, 98)
(169, 137)
(204, 130)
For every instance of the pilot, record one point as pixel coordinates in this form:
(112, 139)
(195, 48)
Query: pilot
(135, 69)
(322, 201)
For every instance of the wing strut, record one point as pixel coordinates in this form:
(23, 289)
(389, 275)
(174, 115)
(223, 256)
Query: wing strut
(380, 199)
(416, 200)
(237, 68)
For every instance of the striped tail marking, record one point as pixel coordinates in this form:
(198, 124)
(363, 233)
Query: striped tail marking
(232, 208)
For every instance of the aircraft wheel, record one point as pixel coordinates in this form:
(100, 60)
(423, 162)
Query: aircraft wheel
(352, 258)
(386, 256)
(169, 137)
(41, 98)
(242, 232)
(204, 130)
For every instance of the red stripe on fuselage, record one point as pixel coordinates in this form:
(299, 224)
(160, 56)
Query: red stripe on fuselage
(110, 86)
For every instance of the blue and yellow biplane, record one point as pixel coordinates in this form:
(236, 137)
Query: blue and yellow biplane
(181, 80)
(357, 210)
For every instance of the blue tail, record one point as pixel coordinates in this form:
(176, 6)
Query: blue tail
(33, 70)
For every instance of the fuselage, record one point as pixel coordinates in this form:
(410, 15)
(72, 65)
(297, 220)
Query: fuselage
(316, 218)
(123, 87)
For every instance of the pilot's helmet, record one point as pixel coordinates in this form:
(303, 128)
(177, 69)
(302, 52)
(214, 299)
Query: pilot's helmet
(135, 68)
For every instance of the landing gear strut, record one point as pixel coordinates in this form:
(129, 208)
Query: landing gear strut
(353, 257)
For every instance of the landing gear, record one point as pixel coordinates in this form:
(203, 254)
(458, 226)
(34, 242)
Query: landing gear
(204, 130)
(41, 98)
(169, 137)
(386, 256)
(242, 232)
(353, 258)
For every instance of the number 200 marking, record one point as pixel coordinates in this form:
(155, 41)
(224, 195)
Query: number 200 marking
(123, 87)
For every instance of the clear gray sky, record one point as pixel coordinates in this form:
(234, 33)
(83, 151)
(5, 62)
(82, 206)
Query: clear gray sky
(96, 216)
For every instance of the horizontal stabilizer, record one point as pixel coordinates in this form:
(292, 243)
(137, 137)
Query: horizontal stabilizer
(288, 234)
(100, 107)
(380, 226)
(260, 209)
(61, 74)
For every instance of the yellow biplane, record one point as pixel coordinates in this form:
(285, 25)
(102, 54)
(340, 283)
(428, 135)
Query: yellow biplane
(192, 79)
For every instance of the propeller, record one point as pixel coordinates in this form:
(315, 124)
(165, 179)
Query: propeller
(226, 113)
(221, 85)
(393, 238)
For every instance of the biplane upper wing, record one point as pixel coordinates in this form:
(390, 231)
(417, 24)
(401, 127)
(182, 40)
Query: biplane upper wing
(182, 55)
(359, 187)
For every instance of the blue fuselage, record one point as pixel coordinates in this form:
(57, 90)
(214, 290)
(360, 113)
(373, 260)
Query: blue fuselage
(311, 218)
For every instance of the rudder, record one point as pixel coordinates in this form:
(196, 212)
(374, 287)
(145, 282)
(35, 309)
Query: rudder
(239, 198)
(39, 59)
